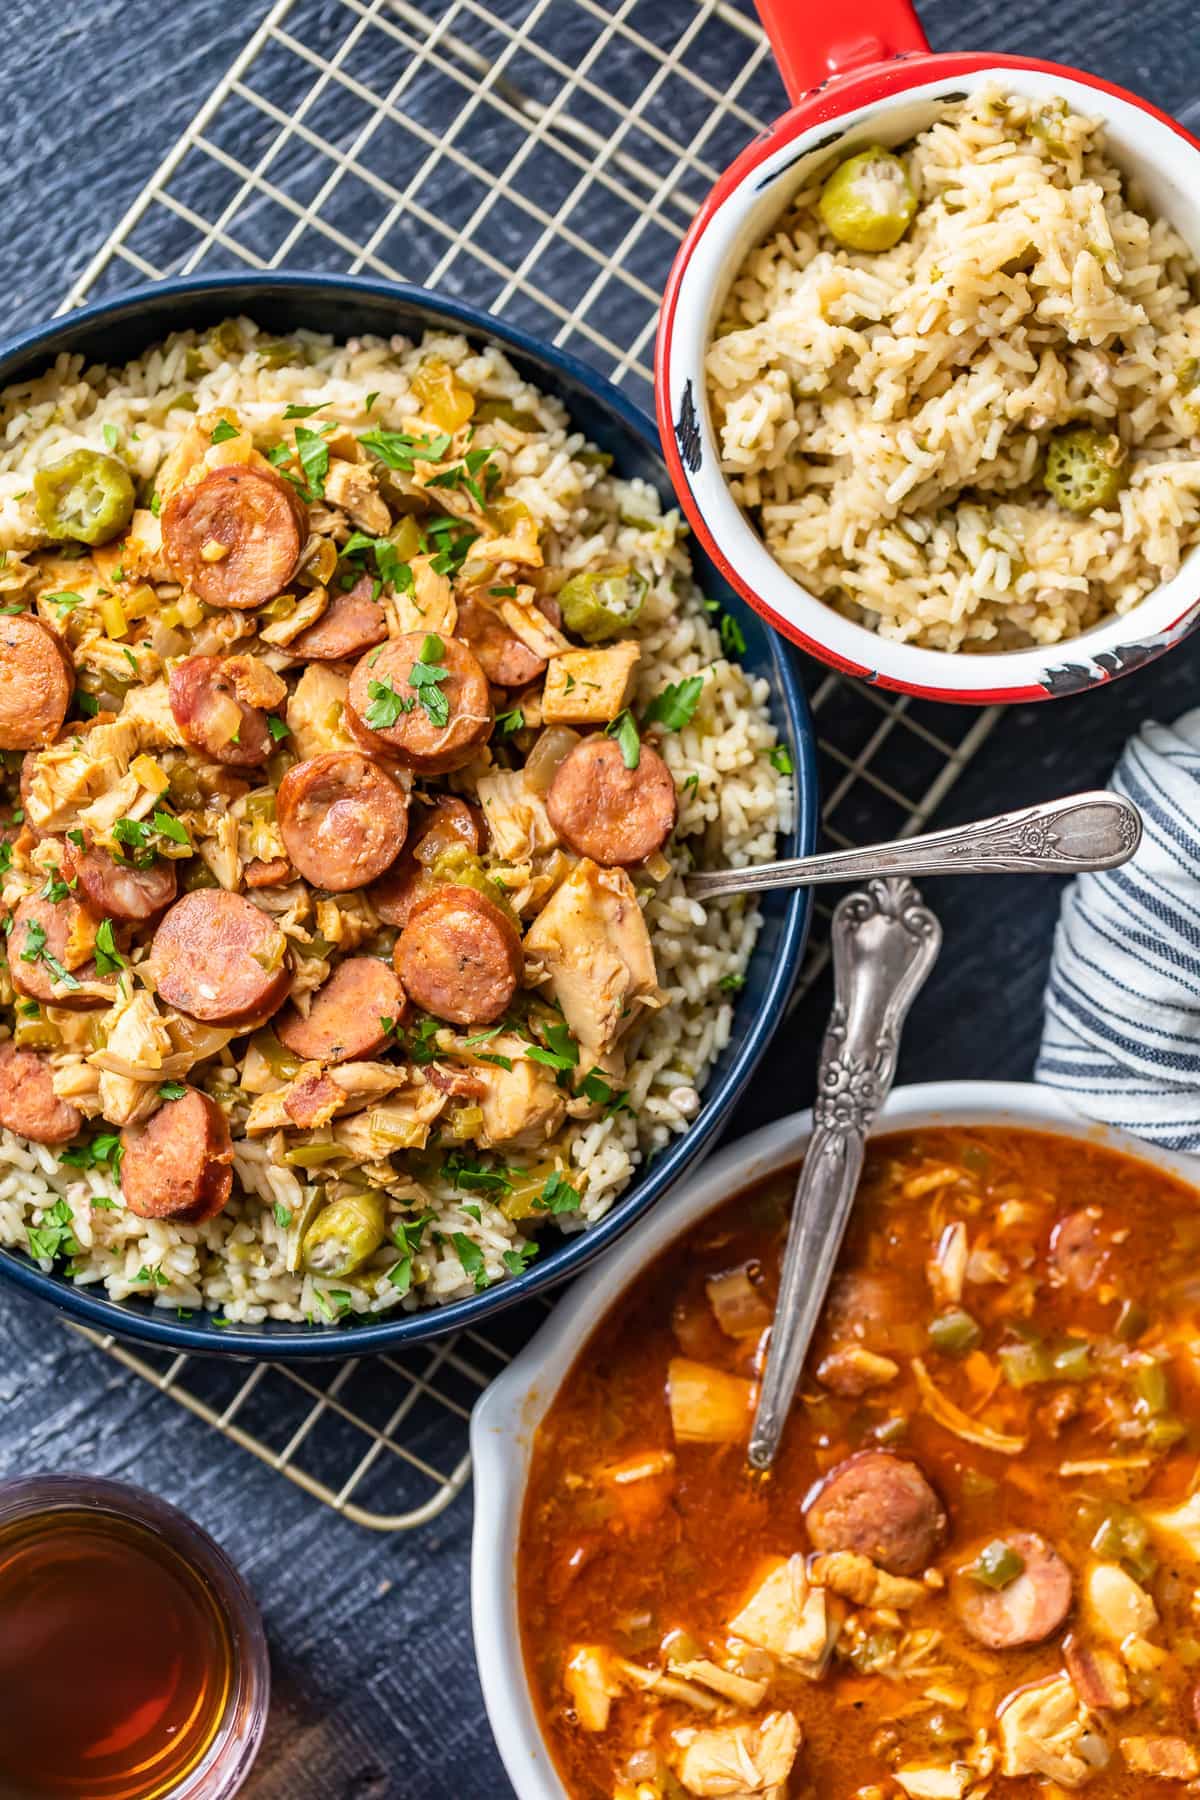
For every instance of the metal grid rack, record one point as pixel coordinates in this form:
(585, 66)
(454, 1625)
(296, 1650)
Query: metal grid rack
(541, 158)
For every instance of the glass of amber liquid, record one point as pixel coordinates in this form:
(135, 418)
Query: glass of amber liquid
(133, 1664)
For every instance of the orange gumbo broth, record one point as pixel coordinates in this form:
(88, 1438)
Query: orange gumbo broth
(976, 1567)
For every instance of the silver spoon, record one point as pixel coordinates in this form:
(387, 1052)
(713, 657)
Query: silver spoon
(885, 941)
(1060, 837)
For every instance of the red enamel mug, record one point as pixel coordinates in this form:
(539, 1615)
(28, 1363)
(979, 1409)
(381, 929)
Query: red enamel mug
(861, 73)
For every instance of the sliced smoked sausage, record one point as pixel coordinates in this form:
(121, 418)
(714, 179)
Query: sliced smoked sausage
(116, 890)
(345, 1020)
(437, 724)
(1078, 1251)
(352, 623)
(342, 819)
(37, 679)
(504, 659)
(50, 953)
(880, 1505)
(211, 715)
(1026, 1611)
(439, 828)
(459, 956)
(179, 1164)
(220, 959)
(615, 815)
(235, 536)
(28, 1103)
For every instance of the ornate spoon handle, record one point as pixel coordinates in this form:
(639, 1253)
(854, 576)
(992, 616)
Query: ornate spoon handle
(1061, 837)
(885, 941)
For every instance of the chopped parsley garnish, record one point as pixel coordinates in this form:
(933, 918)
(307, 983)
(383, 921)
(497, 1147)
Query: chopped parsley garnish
(781, 758)
(222, 431)
(400, 451)
(392, 570)
(65, 602)
(88, 704)
(676, 704)
(419, 1044)
(112, 436)
(156, 504)
(386, 705)
(371, 399)
(517, 1261)
(169, 827)
(560, 1050)
(601, 1092)
(313, 452)
(503, 593)
(109, 960)
(152, 1275)
(732, 984)
(446, 541)
(465, 475)
(283, 1215)
(172, 1090)
(277, 728)
(55, 1236)
(55, 888)
(624, 729)
(467, 1174)
(302, 412)
(557, 1195)
(35, 951)
(425, 675)
(508, 722)
(733, 638)
(104, 1149)
(471, 1258)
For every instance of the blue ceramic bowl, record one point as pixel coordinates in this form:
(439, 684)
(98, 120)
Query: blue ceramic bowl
(113, 331)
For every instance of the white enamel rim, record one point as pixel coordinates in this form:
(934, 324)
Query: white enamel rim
(1168, 168)
(506, 1417)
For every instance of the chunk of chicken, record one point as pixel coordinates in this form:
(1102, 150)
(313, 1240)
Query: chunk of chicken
(1044, 1730)
(522, 1106)
(736, 1761)
(253, 682)
(353, 487)
(1178, 1527)
(517, 818)
(739, 1689)
(851, 1370)
(401, 1123)
(947, 1269)
(428, 606)
(589, 1680)
(592, 943)
(936, 1783)
(1098, 1676)
(349, 1088)
(526, 620)
(790, 1618)
(1115, 1605)
(589, 687)
(707, 1405)
(142, 557)
(64, 779)
(856, 1578)
(311, 604)
(314, 713)
(1164, 1758)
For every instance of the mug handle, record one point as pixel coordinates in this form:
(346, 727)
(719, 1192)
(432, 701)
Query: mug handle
(812, 43)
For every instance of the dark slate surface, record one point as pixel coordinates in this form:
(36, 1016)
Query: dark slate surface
(376, 1694)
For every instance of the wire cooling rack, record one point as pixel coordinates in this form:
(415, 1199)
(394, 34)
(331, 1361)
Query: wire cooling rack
(541, 158)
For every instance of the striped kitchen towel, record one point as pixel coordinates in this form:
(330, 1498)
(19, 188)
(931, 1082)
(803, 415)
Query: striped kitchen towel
(1122, 1029)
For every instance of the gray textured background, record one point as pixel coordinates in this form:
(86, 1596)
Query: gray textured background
(376, 1693)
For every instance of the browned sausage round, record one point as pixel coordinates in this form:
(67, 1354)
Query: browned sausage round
(210, 715)
(235, 536)
(502, 656)
(221, 960)
(615, 815)
(459, 957)
(345, 1019)
(50, 936)
(116, 890)
(37, 679)
(342, 819)
(380, 685)
(431, 833)
(178, 1166)
(28, 1103)
(352, 623)
(1078, 1251)
(1029, 1609)
(881, 1506)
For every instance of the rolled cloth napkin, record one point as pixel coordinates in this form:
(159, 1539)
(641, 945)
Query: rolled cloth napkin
(1121, 1038)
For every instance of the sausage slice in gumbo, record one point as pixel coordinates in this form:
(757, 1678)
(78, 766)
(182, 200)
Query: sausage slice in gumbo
(358, 727)
(975, 1567)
